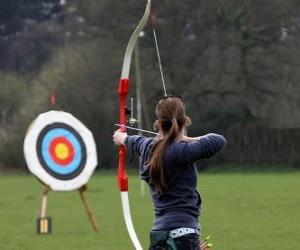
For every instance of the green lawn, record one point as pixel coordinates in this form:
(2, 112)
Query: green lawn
(240, 212)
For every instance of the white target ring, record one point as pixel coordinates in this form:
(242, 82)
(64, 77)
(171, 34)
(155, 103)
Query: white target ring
(60, 151)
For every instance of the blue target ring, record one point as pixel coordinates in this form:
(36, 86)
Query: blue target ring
(74, 166)
(46, 141)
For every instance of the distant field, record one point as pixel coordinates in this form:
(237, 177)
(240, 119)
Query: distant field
(240, 212)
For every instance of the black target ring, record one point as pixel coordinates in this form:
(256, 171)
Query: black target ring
(67, 171)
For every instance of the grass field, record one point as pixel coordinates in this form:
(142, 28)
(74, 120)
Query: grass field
(240, 212)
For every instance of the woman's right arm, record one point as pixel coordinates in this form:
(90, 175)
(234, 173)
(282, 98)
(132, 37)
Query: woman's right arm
(201, 147)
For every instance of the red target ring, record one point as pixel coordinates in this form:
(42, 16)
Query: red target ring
(61, 151)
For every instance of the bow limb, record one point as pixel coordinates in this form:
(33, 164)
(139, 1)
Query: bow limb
(123, 91)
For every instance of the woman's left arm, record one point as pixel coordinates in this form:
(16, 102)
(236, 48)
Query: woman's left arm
(134, 142)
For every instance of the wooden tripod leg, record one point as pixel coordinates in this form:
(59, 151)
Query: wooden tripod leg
(43, 223)
(43, 207)
(88, 209)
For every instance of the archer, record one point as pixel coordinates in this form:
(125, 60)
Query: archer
(168, 166)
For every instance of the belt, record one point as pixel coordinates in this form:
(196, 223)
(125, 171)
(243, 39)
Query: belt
(182, 231)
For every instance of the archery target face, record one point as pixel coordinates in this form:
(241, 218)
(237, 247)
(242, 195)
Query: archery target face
(60, 151)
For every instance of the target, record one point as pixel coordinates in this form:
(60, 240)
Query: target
(60, 151)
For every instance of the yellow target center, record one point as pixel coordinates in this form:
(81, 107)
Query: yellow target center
(61, 151)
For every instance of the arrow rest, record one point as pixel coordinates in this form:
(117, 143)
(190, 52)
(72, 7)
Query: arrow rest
(130, 112)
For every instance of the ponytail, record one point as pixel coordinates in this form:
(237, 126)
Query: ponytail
(171, 121)
(156, 162)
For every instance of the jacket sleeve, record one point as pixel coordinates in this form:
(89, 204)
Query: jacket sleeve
(135, 143)
(205, 147)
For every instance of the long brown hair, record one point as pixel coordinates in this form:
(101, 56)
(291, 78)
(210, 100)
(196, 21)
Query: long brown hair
(171, 120)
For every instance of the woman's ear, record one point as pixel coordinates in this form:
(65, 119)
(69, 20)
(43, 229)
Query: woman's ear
(188, 121)
(156, 125)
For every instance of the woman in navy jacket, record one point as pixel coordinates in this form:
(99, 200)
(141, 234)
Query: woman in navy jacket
(167, 165)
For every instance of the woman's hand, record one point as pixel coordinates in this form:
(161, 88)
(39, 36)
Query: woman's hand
(186, 138)
(119, 137)
(189, 139)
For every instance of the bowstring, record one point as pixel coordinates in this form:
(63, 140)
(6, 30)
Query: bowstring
(157, 50)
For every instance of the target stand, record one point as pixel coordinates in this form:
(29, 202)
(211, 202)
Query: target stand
(43, 223)
(61, 152)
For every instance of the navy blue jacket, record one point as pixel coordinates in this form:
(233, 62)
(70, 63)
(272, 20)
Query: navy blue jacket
(180, 205)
